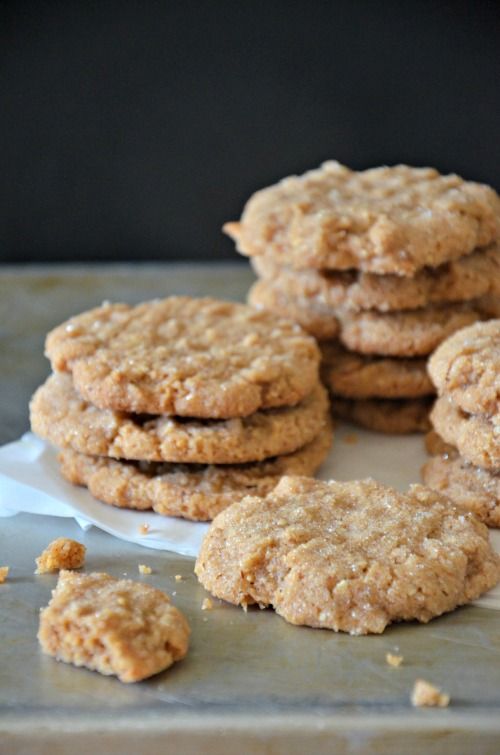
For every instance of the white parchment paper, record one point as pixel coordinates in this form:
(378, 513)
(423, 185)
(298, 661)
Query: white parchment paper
(30, 482)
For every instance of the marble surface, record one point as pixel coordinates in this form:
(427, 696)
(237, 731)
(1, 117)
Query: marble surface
(251, 682)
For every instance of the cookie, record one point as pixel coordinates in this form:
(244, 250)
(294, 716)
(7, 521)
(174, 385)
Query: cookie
(392, 416)
(349, 556)
(412, 333)
(385, 220)
(190, 357)
(471, 487)
(475, 275)
(59, 415)
(317, 319)
(189, 491)
(62, 553)
(113, 626)
(352, 375)
(476, 437)
(466, 367)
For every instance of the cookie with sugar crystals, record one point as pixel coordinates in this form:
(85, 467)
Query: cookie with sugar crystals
(384, 220)
(196, 492)
(113, 626)
(349, 556)
(411, 333)
(472, 487)
(357, 376)
(316, 318)
(476, 436)
(191, 357)
(475, 275)
(466, 367)
(61, 416)
(392, 416)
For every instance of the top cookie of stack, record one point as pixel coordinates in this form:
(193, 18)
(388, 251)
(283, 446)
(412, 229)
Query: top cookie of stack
(142, 396)
(391, 260)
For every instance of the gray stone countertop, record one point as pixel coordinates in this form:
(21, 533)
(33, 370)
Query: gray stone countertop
(251, 683)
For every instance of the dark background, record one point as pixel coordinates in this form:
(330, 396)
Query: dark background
(133, 130)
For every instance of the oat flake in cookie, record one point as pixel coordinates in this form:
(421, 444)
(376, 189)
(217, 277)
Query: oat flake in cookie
(383, 220)
(350, 556)
(191, 357)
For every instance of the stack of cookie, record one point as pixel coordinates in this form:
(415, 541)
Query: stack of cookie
(466, 419)
(380, 266)
(182, 405)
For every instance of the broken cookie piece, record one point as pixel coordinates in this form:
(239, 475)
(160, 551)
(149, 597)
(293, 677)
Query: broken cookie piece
(62, 553)
(114, 626)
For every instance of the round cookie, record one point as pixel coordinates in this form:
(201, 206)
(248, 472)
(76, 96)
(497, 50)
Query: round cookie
(348, 556)
(191, 357)
(475, 275)
(466, 367)
(474, 488)
(61, 416)
(317, 319)
(392, 416)
(476, 437)
(413, 333)
(189, 491)
(352, 375)
(385, 220)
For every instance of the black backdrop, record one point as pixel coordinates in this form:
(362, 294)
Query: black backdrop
(133, 130)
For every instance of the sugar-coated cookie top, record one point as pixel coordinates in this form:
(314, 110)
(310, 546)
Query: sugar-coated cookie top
(383, 220)
(349, 556)
(191, 357)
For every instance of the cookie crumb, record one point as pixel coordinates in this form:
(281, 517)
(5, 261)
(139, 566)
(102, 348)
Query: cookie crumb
(144, 528)
(179, 577)
(394, 660)
(207, 605)
(143, 569)
(62, 553)
(350, 439)
(4, 573)
(426, 694)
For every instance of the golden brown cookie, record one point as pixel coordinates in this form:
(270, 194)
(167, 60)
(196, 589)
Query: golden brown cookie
(392, 416)
(114, 626)
(474, 488)
(385, 220)
(476, 437)
(317, 319)
(187, 490)
(357, 376)
(191, 357)
(475, 275)
(59, 415)
(62, 553)
(412, 333)
(466, 367)
(349, 556)
(409, 333)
